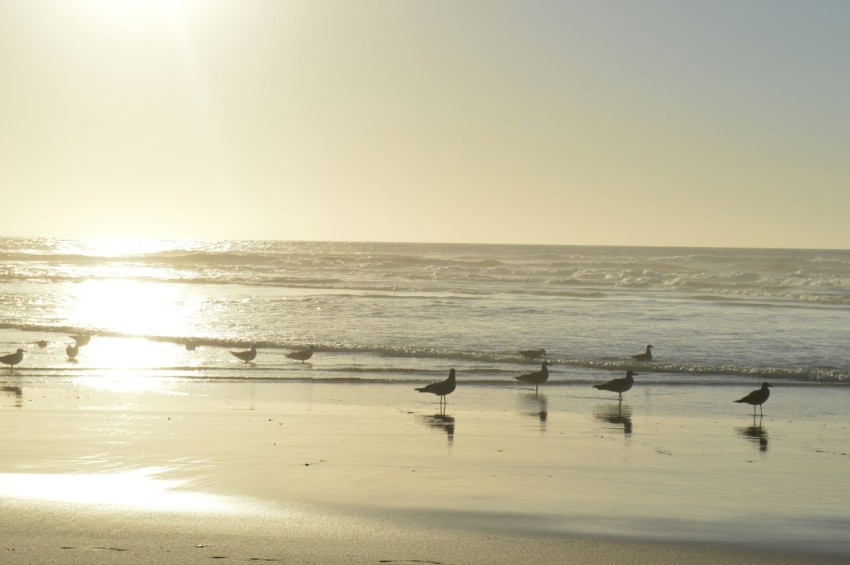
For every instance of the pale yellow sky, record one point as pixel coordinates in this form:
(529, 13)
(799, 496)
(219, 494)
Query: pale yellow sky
(640, 123)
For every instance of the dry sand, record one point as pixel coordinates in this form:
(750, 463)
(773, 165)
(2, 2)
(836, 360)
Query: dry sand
(124, 470)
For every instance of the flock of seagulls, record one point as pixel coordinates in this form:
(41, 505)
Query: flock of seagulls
(249, 355)
(441, 388)
(621, 385)
(73, 349)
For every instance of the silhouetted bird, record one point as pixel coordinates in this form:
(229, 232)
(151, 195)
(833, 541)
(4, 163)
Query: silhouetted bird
(13, 359)
(536, 378)
(647, 356)
(619, 385)
(41, 343)
(301, 355)
(81, 339)
(246, 356)
(191, 345)
(441, 388)
(533, 353)
(756, 398)
(72, 350)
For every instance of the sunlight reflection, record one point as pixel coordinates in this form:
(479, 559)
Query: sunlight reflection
(131, 307)
(127, 384)
(117, 364)
(116, 246)
(140, 489)
(131, 353)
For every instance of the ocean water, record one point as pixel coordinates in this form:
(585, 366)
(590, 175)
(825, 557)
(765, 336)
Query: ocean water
(401, 312)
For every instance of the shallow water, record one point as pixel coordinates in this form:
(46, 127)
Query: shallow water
(408, 312)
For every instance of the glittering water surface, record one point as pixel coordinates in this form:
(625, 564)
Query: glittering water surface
(389, 312)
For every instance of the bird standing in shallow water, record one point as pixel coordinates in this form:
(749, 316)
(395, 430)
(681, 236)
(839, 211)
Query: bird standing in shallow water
(645, 356)
(441, 388)
(619, 385)
(301, 355)
(536, 378)
(757, 397)
(72, 350)
(246, 356)
(13, 359)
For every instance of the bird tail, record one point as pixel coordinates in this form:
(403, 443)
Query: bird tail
(598, 387)
(421, 389)
(741, 400)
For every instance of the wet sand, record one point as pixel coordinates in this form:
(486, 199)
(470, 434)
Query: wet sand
(150, 470)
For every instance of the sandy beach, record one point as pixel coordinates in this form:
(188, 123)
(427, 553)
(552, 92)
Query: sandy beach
(121, 470)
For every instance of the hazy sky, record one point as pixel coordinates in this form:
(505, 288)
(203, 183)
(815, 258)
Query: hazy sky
(715, 123)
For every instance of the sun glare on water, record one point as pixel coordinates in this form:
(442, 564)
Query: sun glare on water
(132, 307)
(142, 489)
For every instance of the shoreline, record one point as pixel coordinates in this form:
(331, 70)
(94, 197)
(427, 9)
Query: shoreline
(378, 468)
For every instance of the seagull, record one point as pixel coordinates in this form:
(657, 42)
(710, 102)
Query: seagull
(619, 385)
(441, 388)
(190, 345)
(533, 353)
(756, 398)
(81, 339)
(647, 356)
(72, 350)
(536, 378)
(301, 355)
(246, 356)
(41, 343)
(13, 359)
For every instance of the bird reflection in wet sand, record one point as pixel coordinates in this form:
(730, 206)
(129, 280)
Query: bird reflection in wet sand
(442, 422)
(536, 405)
(18, 392)
(755, 433)
(618, 415)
